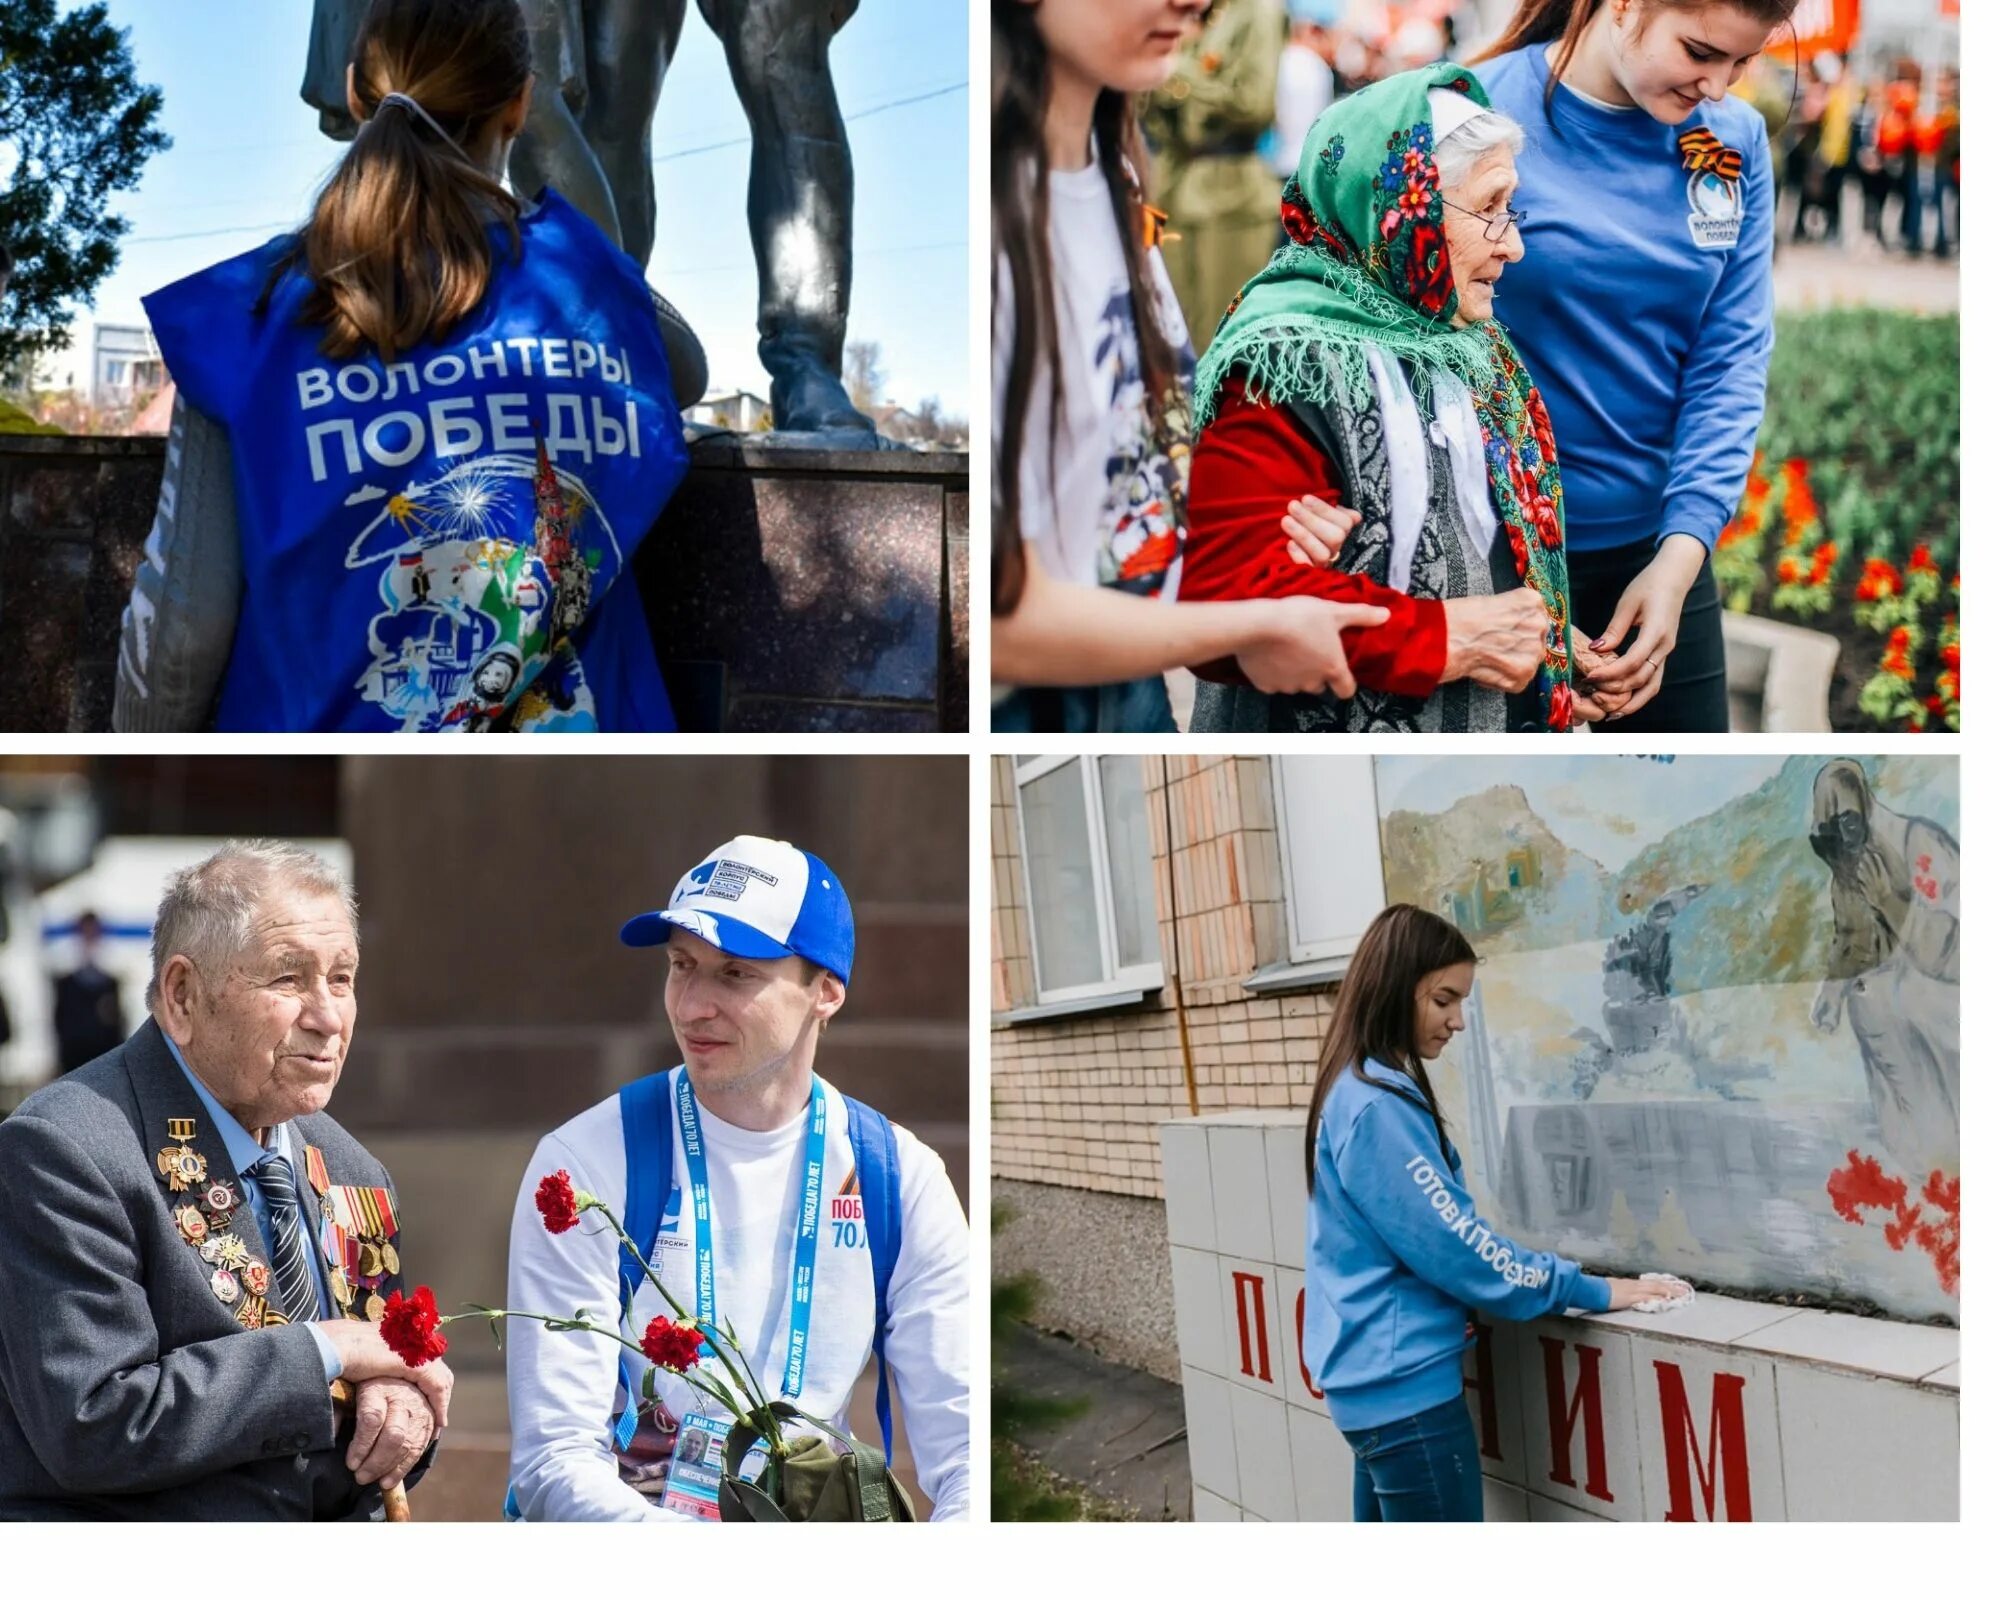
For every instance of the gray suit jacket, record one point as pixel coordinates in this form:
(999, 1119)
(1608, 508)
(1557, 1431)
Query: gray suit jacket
(127, 1389)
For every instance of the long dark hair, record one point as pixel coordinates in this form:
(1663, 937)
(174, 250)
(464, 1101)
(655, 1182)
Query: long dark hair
(1375, 1015)
(1547, 21)
(1020, 184)
(397, 248)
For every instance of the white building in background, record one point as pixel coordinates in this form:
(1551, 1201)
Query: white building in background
(109, 363)
(737, 410)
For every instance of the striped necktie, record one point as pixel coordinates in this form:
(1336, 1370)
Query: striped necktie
(298, 1295)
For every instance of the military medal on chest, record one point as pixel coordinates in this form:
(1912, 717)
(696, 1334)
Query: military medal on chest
(358, 1240)
(181, 1167)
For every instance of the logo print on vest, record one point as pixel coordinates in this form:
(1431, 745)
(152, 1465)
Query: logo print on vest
(475, 634)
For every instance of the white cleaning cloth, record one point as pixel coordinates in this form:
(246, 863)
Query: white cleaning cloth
(1683, 1294)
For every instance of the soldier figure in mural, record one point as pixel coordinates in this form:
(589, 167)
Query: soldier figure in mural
(1893, 967)
(1638, 977)
(599, 68)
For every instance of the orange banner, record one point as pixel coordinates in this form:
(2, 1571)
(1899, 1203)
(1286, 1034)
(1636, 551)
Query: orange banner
(1819, 25)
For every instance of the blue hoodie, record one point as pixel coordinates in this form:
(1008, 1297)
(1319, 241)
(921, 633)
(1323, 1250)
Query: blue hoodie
(1396, 1255)
(1643, 306)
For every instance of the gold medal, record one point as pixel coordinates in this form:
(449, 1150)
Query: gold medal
(183, 1168)
(374, 1307)
(392, 1261)
(224, 1287)
(341, 1290)
(234, 1252)
(193, 1227)
(370, 1264)
(257, 1278)
(252, 1312)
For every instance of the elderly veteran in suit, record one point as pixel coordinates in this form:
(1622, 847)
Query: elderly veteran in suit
(192, 1248)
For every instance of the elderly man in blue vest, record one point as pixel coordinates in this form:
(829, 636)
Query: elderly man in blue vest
(716, 1153)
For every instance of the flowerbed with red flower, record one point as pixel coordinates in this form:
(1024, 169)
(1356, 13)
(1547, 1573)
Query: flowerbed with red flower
(1849, 520)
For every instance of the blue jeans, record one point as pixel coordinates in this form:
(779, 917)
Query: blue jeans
(1422, 1469)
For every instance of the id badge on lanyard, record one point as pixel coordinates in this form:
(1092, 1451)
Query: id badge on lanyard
(805, 1238)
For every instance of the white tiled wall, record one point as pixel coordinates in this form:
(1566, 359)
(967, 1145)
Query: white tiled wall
(1796, 1415)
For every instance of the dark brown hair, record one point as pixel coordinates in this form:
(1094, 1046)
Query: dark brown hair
(1020, 186)
(397, 249)
(1375, 1013)
(1547, 21)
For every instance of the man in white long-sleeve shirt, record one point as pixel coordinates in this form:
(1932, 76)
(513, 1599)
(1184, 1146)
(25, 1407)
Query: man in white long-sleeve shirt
(760, 945)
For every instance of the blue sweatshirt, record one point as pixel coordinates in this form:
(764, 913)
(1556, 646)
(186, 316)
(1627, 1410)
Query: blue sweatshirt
(1396, 1254)
(1643, 307)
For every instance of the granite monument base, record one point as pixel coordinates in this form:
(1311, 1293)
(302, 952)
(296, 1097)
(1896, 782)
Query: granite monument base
(789, 590)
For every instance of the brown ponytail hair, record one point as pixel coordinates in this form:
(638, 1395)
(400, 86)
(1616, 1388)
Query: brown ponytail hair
(1549, 21)
(397, 249)
(1020, 188)
(1375, 1014)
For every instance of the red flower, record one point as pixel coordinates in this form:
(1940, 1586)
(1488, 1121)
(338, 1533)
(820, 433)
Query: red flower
(1920, 559)
(673, 1345)
(1949, 656)
(557, 1202)
(1788, 571)
(410, 1327)
(1299, 224)
(1428, 275)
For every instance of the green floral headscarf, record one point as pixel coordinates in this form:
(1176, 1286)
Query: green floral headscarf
(1365, 269)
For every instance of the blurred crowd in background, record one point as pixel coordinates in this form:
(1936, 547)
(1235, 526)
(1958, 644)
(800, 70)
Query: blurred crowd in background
(1863, 117)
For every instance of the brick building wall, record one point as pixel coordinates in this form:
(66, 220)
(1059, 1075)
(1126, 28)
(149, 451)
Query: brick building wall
(1078, 1100)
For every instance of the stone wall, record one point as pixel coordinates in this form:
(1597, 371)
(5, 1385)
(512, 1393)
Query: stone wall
(788, 590)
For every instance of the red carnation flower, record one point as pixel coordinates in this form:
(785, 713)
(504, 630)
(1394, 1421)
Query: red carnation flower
(556, 1201)
(410, 1327)
(673, 1345)
(1561, 708)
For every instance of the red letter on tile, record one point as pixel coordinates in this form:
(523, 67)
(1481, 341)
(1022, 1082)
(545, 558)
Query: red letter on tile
(1305, 1377)
(1727, 1454)
(1481, 1384)
(1249, 1295)
(1562, 1420)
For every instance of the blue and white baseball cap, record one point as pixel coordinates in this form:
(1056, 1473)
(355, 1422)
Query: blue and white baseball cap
(761, 899)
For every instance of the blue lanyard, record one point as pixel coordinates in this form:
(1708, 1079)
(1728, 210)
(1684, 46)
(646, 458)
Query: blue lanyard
(806, 1239)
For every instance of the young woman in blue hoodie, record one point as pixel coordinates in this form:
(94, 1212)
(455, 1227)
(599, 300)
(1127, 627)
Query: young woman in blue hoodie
(1397, 1256)
(1644, 309)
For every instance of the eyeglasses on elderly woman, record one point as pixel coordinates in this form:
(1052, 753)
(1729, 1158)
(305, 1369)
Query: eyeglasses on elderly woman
(1496, 226)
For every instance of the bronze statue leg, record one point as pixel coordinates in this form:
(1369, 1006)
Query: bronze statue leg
(329, 48)
(801, 200)
(552, 149)
(627, 47)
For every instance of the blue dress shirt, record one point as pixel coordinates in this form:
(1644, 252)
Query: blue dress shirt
(245, 1153)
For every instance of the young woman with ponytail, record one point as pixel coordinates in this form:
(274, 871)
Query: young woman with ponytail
(1393, 1271)
(1090, 370)
(415, 444)
(1644, 308)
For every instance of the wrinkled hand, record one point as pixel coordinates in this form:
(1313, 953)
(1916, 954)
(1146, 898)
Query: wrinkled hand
(362, 1355)
(1591, 703)
(1652, 604)
(1316, 530)
(393, 1426)
(1495, 639)
(1297, 648)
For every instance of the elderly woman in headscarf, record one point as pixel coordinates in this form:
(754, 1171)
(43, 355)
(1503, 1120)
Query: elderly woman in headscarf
(1368, 433)
(1893, 960)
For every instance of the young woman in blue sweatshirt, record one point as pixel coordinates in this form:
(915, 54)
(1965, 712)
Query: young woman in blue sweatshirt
(1644, 309)
(1397, 1256)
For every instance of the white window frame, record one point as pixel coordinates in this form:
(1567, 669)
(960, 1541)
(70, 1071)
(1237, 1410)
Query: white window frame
(1335, 951)
(1123, 980)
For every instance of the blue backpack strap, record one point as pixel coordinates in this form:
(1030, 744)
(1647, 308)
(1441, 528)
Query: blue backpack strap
(879, 1171)
(646, 1110)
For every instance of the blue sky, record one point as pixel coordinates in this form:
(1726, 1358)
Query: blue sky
(247, 156)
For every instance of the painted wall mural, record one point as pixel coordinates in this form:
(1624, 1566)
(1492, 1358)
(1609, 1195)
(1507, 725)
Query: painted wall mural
(1715, 1030)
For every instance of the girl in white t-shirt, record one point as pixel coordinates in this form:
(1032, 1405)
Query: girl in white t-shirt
(1091, 364)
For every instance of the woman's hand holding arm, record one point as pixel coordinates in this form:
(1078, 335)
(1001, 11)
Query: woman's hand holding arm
(1071, 634)
(1651, 603)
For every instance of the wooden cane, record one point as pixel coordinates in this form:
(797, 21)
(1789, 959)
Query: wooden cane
(396, 1501)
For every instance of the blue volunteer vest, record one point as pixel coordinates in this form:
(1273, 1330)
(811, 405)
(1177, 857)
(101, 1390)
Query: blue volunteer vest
(443, 544)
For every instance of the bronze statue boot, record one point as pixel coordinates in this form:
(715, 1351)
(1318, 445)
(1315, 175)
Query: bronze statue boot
(807, 398)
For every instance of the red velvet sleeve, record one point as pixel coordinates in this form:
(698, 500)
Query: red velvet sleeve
(1252, 462)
